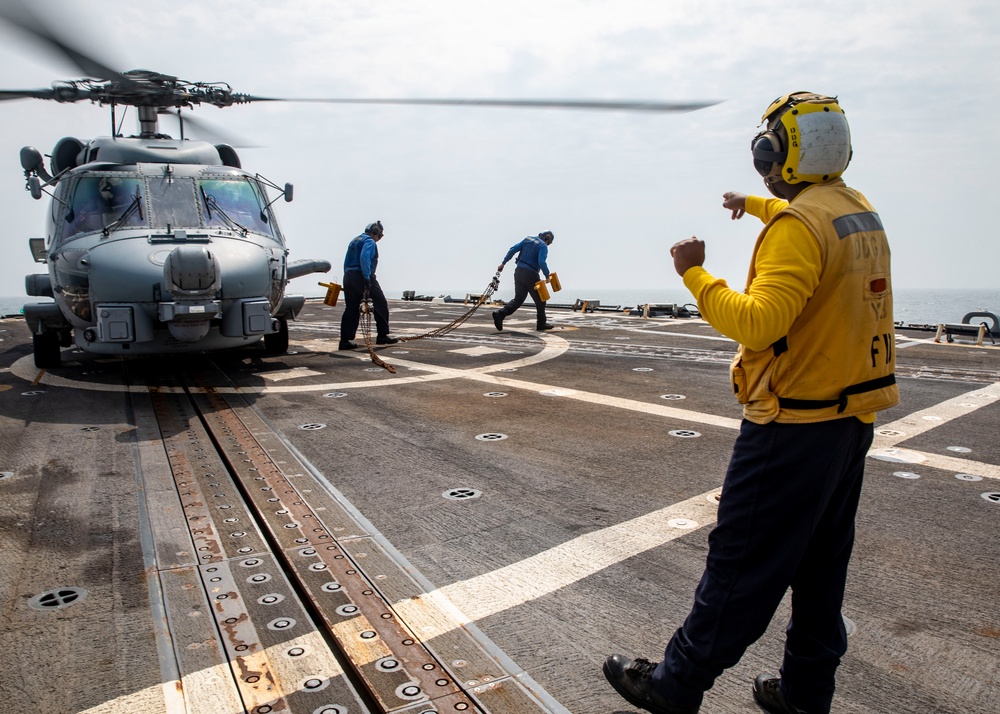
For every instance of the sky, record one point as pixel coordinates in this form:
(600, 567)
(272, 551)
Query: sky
(456, 187)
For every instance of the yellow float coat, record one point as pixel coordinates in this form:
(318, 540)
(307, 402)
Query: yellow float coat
(815, 320)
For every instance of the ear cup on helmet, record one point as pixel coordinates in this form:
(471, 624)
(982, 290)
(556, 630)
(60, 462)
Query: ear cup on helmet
(768, 153)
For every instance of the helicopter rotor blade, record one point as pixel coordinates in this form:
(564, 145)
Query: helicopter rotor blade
(17, 14)
(26, 94)
(584, 104)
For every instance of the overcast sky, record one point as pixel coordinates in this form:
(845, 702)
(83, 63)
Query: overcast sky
(456, 187)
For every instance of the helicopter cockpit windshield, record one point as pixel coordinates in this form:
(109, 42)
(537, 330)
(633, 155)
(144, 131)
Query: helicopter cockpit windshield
(100, 201)
(109, 202)
(229, 204)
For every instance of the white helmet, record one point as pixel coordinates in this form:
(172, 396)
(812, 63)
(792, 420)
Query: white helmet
(807, 139)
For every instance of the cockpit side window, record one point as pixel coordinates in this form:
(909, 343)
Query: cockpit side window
(233, 203)
(97, 201)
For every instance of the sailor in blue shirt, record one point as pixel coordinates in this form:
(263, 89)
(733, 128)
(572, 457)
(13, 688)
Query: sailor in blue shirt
(359, 276)
(531, 254)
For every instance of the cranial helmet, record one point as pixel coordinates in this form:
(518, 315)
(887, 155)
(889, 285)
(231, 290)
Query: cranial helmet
(547, 237)
(806, 139)
(374, 229)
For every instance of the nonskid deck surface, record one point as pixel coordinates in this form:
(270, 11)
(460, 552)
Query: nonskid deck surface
(476, 531)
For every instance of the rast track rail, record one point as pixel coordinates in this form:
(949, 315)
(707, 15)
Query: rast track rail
(276, 599)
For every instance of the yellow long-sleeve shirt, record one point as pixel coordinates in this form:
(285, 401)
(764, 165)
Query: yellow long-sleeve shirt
(788, 266)
(788, 269)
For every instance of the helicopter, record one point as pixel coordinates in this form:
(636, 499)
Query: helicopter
(158, 245)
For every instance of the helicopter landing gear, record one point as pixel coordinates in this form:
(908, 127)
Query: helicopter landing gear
(46, 348)
(277, 342)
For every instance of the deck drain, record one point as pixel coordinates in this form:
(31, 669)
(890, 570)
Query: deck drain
(849, 625)
(672, 397)
(312, 427)
(387, 664)
(90, 428)
(960, 449)
(462, 494)
(992, 496)
(57, 598)
(897, 456)
(491, 437)
(495, 394)
(905, 474)
(335, 395)
(968, 477)
(888, 432)
(684, 433)
(410, 690)
(32, 393)
(682, 523)
(642, 369)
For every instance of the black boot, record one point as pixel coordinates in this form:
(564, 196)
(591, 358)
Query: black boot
(767, 694)
(347, 345)
(498, 320)
(633, 679)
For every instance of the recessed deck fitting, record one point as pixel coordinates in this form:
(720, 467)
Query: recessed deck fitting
(462, 494)
(57, 598)
(491, 437)
(968, 477)
(684, 433)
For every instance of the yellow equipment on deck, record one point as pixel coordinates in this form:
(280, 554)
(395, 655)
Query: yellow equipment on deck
(542, 289)
(332, 293)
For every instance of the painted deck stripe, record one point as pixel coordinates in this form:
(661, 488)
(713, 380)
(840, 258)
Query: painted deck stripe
(559, 567)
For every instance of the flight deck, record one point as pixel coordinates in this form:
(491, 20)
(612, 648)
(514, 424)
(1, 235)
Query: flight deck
(309, 532)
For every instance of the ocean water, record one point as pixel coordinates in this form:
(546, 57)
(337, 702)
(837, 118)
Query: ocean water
(912, 306)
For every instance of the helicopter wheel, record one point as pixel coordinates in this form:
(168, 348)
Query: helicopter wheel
(277, 342)
(46, 348)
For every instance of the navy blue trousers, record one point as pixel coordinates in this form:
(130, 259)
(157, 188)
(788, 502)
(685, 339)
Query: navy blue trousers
(354, 293)
(524, 285)
(786, 520)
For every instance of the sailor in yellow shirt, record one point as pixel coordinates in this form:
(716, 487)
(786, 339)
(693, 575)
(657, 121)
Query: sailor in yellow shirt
(816, 361)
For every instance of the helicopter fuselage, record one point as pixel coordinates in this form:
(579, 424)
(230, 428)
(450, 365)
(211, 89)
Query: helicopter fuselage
(156, 246)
